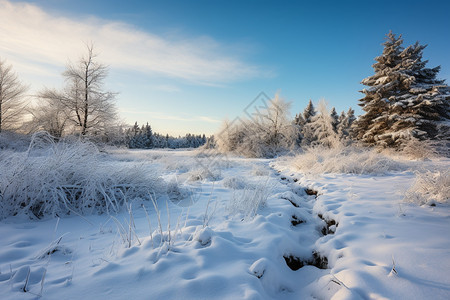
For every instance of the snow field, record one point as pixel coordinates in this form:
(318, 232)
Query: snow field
(259, 230)
(213, 247)
(383, 247)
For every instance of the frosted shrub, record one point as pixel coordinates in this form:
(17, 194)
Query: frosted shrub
(14, 141)
(426, 149)
(430, 188)
(258, 170)
(236, 183)
(58, 178)
(351, 160)
(200, 174)
(246, 202)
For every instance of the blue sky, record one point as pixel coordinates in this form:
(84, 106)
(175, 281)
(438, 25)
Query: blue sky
(183, 66)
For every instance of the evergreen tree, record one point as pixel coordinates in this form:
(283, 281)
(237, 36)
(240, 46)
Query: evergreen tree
(299, 122)
(344, 128)
(383, 84)
(309, 112)
(348, 123)
(334, 119)
(307, 135)
(133, 140)
(405, 100)
(341, 128)
(143, 138)
(422, 110)
(147, 142)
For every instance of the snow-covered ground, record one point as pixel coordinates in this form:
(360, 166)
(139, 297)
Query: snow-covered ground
(239, 229)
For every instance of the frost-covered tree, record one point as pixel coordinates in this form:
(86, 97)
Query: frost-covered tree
(320, 130)
(309, 112)
(306, 133)
(382, 85)
(298, 120)
(341, 125)
(334, 119)
(350, 118)
(344, 128)
(404, 100)
(422, 110)
(12, 97)
(92, 108)
(269, 131)
(49, 116)
(148, 137)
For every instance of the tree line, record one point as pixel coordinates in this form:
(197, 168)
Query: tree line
(143, 138)
(403, 102)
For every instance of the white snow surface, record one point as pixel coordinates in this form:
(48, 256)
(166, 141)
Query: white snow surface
(230, 228)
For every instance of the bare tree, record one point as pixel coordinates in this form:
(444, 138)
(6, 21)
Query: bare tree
(12, 100)
(50, 115)
(84, 101)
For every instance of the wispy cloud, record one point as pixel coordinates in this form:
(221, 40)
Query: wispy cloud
(32, 35)
(166, 88)
(163, 116)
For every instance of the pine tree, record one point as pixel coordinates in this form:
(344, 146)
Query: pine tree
(422, 110)
(383, 84)
(299, 122)
(405, 100)
(344, 128)
(348, 123)
(147, 137)
(334, 119)
(309, 112)
(134, 136)
(306, 133)
(341, 127)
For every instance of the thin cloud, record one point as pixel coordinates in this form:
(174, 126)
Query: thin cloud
(28, 33)
(209, 120)
(163, 116)
(166, 88)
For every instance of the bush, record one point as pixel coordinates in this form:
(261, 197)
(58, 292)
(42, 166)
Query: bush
(59, 178)
(430, 188)
(245, 202)
(236, 183)
(350, 160)
(14, 141)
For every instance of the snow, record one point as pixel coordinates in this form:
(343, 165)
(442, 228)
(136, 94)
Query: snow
(232, 235)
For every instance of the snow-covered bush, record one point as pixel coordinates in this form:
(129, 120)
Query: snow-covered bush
(13, 141)
(269, 132)
(236, 183)
(58, 178)
(204, 173)
(246, 202)
(259, 170)
(430, 188)
(353, 160)
(417, 149)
